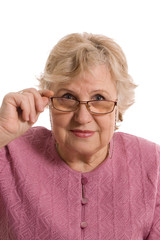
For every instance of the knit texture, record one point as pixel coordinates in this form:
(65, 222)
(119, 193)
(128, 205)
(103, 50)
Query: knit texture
(42, 198)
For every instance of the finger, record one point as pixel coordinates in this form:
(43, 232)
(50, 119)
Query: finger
(19, 105)
(46, 94)
(41, 97)
(31, 102)
(22, 103)
(38, 101)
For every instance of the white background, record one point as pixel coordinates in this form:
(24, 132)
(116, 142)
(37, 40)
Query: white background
(29, 29)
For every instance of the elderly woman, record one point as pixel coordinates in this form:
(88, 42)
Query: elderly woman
(81, 180)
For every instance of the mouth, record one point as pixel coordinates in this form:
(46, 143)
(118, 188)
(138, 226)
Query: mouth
(82, 133)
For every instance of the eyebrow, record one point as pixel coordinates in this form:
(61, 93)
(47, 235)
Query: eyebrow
(94, 91)
(102, 91)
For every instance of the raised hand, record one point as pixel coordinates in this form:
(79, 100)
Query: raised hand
(19, 111)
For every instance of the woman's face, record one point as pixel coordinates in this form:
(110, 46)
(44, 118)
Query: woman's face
(80, 132)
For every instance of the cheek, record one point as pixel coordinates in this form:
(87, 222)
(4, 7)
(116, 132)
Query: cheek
(58, 128)
(60, 122)
(107, 126)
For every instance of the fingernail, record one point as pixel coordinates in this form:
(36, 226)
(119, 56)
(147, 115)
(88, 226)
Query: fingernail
(33, 119)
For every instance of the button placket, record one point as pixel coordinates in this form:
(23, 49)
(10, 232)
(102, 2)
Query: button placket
(84, 225)
(84, 180)
(84, 201)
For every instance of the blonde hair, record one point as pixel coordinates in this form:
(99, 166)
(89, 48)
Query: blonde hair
(78, 52)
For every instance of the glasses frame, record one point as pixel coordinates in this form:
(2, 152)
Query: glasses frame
(86, 103)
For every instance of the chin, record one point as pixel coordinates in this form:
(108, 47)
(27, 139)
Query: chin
(83, 149)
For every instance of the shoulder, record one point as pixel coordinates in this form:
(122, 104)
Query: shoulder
(37, 132)
(133, 140)
(35, 146)
(35, 135)
(138, 148)
(36, 139)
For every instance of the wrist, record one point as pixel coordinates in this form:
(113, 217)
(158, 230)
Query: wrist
(5, 138)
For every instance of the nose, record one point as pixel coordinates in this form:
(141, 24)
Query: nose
(82, 115)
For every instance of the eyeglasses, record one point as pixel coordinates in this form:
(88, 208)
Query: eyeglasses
(94, 107)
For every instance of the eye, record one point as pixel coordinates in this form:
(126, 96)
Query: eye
(68, 96)
(98, 97)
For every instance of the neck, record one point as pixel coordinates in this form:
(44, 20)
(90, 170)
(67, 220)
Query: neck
(83, 162)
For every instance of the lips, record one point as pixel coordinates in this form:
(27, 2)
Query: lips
(83, 133)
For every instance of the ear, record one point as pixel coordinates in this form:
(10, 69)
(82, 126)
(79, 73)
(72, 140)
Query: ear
(119, 117)
(51, 117)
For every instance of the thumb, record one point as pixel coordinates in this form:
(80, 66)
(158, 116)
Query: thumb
(45, 101)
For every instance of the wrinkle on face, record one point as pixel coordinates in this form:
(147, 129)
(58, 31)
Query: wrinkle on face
(84, 87)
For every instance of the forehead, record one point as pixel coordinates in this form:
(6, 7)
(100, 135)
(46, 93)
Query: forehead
(97, 78)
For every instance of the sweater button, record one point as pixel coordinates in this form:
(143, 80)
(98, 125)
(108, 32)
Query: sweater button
(84, 224)
(84, 180)
(84, 201)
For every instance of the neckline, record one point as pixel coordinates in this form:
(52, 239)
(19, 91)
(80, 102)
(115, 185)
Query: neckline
(106, 161)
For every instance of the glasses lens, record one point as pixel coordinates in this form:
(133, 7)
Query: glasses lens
(101, 106)
(64, 104)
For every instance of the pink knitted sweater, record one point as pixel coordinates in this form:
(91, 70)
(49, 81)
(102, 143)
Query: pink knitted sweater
(41, 198)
